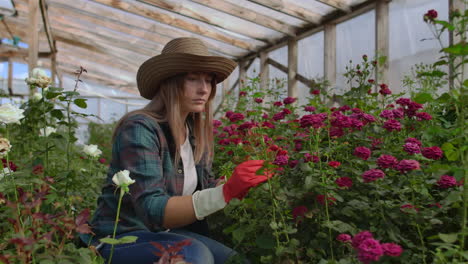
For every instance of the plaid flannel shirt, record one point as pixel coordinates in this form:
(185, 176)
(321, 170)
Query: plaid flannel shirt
(146, 149)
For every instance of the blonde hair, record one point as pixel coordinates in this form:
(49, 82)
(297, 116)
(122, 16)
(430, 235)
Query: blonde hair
(165, 107)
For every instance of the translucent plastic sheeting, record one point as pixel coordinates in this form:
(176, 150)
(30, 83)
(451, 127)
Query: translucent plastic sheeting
(411, 43)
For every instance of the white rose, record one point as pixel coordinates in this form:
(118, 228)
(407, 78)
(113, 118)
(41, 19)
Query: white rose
(10, 114)
(4, 172)
(4, 146)
(48, 131)
(36, 96)
(122, 178)
(92, 150)
(38, 78)
(38, 73)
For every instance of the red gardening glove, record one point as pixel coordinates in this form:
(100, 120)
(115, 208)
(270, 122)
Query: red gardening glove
(242, 179)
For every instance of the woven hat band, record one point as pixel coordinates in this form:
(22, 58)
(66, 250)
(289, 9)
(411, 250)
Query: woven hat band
(186, 45)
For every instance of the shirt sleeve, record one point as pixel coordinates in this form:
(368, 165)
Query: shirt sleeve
(139, 150)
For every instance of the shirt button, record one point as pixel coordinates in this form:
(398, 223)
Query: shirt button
(179, 170)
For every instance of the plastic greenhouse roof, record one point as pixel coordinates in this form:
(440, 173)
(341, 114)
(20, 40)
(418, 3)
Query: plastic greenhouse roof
(111, 38)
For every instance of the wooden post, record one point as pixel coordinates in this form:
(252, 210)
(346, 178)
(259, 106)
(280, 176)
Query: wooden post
(242, 74)
(329, 60)
(461, 7)
(33, 49)
(225, 88)
(382, 39)
(264, 71)
(292, 67)
(53, 68)
(10, 76)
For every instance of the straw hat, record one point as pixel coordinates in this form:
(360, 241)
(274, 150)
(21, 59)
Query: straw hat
(180, 55)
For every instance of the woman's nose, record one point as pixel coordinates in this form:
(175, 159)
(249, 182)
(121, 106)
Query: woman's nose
(204, 87)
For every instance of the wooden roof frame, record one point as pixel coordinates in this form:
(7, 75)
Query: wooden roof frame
(121, 34)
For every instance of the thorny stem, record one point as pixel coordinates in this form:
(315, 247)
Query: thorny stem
(45, 135)
(70, 126)
(421, 238)
(317, 137)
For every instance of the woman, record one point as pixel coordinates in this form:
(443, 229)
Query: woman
(168, 147)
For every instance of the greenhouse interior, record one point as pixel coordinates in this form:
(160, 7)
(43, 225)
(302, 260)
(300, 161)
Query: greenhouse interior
(233, 131)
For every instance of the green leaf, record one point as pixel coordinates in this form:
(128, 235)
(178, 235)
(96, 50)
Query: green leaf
(441, 62)
(81, 102)
(448, 238)
(110, 241)
(465, 83)
(50, 95)
(238, 234)
(265, 241)
(339, 226)
(445, 24)
(457, 49)
(453, 197)
(127, 239)
(57, 113)
(69, 93)
(450, 152)
(422, 98)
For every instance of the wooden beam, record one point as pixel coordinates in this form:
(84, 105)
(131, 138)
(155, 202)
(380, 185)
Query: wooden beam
(291, 9)
(292, 68)
(97, 57)
(250, 15)
(299, 77)
(329, 60)
(193, 11)
(277, 65)
(338, 4)
(34, 34)
(382, 39)
(104, 36)
(77, 15)
(18, 26)
(336, 19)
(94, 66)
(97, 76)
(111, 16)
(154, 14)
(264, 72)
(46, 23)
(99, 34)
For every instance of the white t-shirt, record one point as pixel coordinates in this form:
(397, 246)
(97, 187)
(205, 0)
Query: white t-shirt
(190, 173)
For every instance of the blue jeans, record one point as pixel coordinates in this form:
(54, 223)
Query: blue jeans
(202, 250)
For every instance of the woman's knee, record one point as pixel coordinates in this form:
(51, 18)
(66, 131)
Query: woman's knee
(150, 246)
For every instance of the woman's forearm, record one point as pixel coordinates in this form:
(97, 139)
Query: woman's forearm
(179, 212)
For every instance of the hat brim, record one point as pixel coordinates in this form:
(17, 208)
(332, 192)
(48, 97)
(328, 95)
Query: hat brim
(160, 67)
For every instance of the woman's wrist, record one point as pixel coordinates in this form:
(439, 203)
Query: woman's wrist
(208, 201)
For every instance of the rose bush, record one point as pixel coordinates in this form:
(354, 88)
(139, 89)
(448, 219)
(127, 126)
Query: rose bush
(389, 163)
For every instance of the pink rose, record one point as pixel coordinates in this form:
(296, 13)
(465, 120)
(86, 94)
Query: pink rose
(362, 152)
(434, 153)
(373, 175)
(387, 161)
(391, 249)
(446, 181)
(344, 182)
(343, 238)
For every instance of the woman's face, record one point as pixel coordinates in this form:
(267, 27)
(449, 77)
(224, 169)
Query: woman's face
(197, 90)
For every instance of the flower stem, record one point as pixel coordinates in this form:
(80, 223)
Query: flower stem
(421, 238)
(122, 192)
